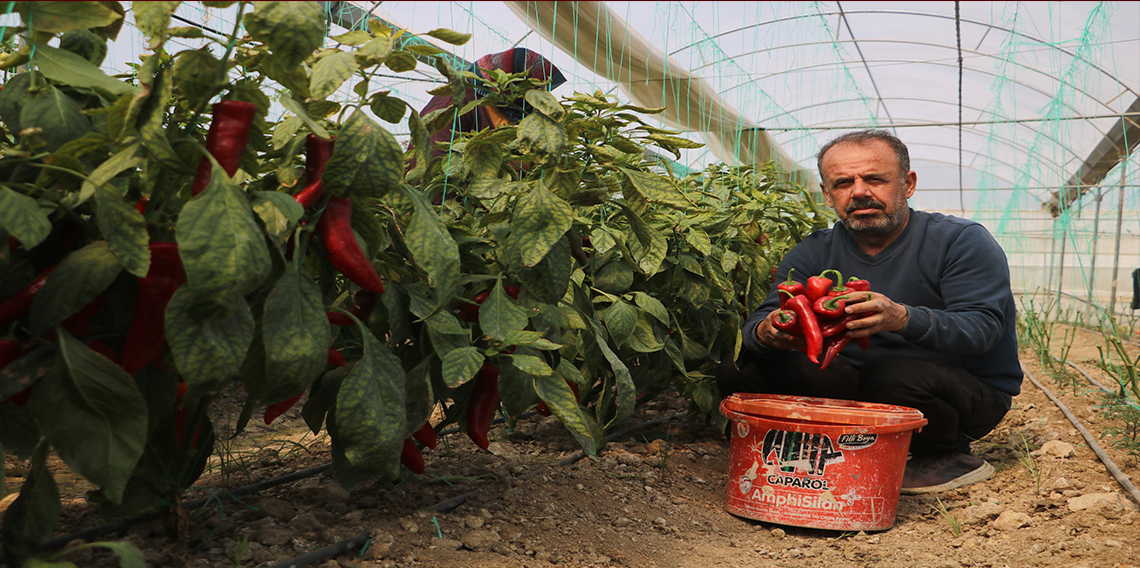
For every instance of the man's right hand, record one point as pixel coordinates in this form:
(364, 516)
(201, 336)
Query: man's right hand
(768, 335)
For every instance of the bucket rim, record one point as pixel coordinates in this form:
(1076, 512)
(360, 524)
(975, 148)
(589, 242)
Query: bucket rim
(820, 410)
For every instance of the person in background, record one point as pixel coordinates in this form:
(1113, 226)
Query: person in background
(940, 315)
(516, 60)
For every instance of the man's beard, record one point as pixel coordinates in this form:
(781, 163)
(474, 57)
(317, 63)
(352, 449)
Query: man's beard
(883, 224)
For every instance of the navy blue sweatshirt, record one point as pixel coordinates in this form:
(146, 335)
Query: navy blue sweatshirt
(951, 275)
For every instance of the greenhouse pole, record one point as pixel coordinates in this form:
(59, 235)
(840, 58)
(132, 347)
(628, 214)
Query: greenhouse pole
(1119, 224)
(1092, 263)
(1061, 264)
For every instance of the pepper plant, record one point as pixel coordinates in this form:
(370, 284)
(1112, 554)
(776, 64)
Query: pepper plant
(308, 252)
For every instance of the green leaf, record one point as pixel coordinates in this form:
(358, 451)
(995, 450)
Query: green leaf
(221, 243)
(33, 515)
(58, 115)
(331, 72)
(13, 97)
(432, 247)
(291, 30)
(549, 279)
(539, 133)
(541, 218)
(376, 51)
(296, 333)
(460, 365)
(450, 36)
(531, 365)
(558, 397)
(285, 131)
(296, 108)
(279, 211)
(658, 189)
(487, 187)
(484, 158)
(699, 240)
(614, 277)
(196, 75)
(70, 69)
(78, 279)
(207, 353)
(125, 230)
(63, 17)
(419, 402)
(695, 289)
(388, 109)
(152, 19)
(370, 417)
(125, 159)
(626, 392)
(620, 319)
(354, 37)
(93, 415)
(602, 240)
(401, 61)
(644, 337)
(152, 118)
(516, 389)
(545, 103)
(20, 215)
(367, 159)
(532, 339)
(653, 306)
(500, 315)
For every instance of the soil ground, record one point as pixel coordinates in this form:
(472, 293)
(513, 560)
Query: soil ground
(653, 499)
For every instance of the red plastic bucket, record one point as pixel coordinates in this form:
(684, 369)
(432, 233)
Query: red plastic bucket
(817, 462)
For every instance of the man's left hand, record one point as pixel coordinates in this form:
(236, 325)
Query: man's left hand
(875, 313)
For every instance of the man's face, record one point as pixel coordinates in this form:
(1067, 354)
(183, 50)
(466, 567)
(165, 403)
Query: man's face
(862, 182)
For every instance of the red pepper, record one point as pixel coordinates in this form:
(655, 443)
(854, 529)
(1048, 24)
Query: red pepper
(818, 286)
(411, 458)
(335, 231)
(363, 302)
(147, 333)
(317, 154)
(481, 406)
(335, 358)
(858, 285)
(790, 286)
(226, 140)
(17, 305)
(787, 322)
(810, 325)
(835, 326)
(426, 435)
(830, 307)
(469, 311)
(833, 346)
(278, 408)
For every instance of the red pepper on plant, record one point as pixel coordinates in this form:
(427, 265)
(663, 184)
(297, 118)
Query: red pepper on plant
(335, 231)
(469, 311)
(810, 325)
(336, 358)
(411, 457)
(226, 140)
(790, 286)
(481, 406)
(278, 408)
(17, 305)
(363, 302)
(317, 154)
(544, 410)
(147, 333)
(426, 435)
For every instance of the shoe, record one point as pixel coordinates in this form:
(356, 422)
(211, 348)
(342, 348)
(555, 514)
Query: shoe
(943, 472)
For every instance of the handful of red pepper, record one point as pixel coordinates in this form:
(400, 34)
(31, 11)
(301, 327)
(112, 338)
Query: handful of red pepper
(815, 311)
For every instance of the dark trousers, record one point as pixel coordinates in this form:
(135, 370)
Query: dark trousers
(958, 407)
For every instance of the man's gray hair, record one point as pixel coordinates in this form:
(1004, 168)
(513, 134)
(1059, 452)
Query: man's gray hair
(863, 137)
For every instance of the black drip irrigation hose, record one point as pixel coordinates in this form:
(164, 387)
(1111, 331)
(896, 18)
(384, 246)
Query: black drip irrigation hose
(115, 526)
(449, 504)
(336, 548)
(1122, 479)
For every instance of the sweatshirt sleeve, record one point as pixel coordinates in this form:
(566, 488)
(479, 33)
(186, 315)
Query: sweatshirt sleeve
(975, 288)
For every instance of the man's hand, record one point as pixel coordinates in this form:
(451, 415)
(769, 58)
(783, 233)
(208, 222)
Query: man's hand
(875, 313)
(767, 334)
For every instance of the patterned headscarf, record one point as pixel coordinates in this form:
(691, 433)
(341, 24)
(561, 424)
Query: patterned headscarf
(517, 60)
